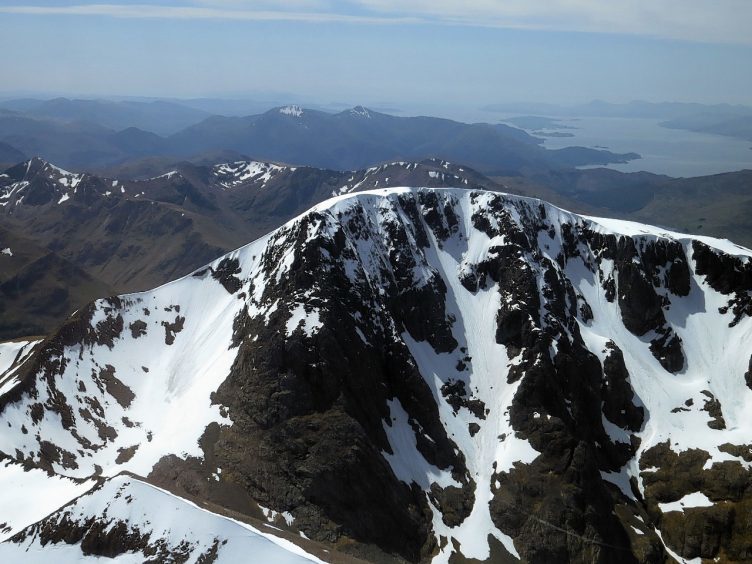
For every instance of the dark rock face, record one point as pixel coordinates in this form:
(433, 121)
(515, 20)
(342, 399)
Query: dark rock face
(668, 350)
(457, 396)
(321, 424)
(568, 387)
(618, 396)
(640, 305)
(713, 407)
(563, 482)
(138, 328)
(705, 532)
(642, 268)
(172, 328)
(225, 274)
(728, 275)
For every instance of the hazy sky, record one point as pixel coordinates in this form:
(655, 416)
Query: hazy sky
(383, 51)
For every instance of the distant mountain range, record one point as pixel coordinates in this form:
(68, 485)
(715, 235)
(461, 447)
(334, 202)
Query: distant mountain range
(159, 116)
(90, 135)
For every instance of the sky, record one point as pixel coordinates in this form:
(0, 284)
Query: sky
(382, 52)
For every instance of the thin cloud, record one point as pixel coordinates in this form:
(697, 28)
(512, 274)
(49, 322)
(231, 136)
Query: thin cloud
(148, 11)
(718, 21)
(722, 21)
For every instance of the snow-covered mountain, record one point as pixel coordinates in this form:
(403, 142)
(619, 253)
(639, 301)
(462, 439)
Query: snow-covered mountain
(407, 374)
(37, 183)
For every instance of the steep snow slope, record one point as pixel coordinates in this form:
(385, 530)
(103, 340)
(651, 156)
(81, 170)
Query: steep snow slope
(29, 495)
(134, 374)
(12, 354)
(160, 527)
(488, 374)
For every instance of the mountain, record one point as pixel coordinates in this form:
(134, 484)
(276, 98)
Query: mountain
(135, 142)
(715, 205)
(488, 375)
(10, 155)
(360, 137)
(353, 139)
(235, 106)
(604, 188)
(73, 237)
(74, 144)
(108, 236)
(160, 116)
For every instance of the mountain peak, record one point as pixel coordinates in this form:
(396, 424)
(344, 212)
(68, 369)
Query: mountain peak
(360, 111)
(36, 161)
(34, 166)
(52, 170)
(291, 110)
(37, 182)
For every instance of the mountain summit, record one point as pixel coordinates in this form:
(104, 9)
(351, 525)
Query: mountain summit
(410, 374)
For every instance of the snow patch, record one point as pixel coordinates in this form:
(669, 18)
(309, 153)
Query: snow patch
(310, 321)
(406, 461)
(230, 175)
(696, 499)
(295, 111)
(360, 111)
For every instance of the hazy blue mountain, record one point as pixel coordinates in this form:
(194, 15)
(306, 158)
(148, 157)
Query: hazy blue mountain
(231, 106)
(159, 116)
(9, 154)
(348, 140)
(72, 144)
(360, 137)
